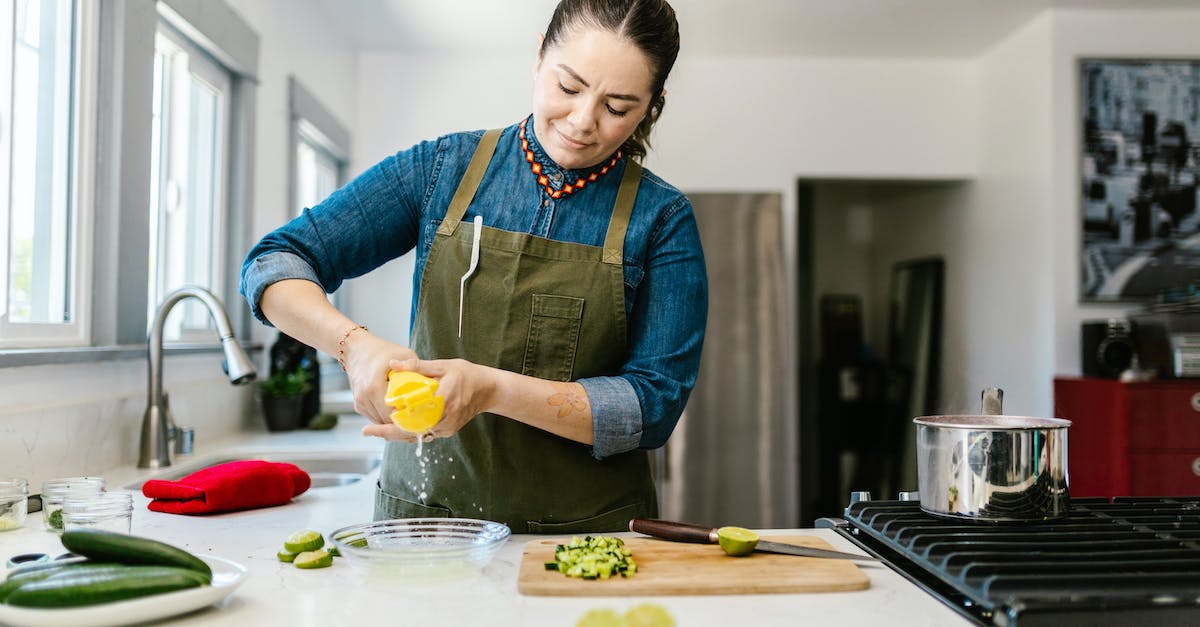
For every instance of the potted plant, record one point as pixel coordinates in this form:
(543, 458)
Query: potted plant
(283, 397)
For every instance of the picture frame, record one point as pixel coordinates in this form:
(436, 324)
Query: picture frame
(1139, 154)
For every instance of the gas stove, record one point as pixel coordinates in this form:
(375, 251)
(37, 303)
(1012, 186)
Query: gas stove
(1128, 561)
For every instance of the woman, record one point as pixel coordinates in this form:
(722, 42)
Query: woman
(577, 337)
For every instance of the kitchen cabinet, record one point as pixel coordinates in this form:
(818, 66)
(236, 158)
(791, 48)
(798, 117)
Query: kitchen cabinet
(1131, 439)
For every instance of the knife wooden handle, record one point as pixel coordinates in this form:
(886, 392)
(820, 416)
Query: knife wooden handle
(677, 531)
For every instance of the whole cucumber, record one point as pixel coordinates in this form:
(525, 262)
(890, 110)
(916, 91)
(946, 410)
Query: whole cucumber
(69, 589)
(110, 546)
(38, 572)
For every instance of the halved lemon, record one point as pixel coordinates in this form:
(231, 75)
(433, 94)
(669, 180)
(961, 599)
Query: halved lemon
(737, 541)
(418, 407)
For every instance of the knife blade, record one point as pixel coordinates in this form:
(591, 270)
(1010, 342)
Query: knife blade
(688, 532)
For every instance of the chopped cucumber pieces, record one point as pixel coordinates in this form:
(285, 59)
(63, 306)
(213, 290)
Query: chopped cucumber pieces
(593, 557)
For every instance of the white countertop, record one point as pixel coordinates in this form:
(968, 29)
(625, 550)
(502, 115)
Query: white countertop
(276, 593)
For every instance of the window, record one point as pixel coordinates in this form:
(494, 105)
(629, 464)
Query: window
(121, 180)
(320, 144)
(189, 158)
(46, 110)
(318, 171)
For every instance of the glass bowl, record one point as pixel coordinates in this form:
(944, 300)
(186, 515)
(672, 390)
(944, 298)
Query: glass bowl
(421, 549)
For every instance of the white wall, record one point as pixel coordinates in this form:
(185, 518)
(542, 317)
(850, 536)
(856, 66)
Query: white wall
(86, 418)
(998, 306)
(1091, 34)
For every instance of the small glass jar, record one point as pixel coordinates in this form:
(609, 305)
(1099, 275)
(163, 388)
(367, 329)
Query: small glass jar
(55, 490)
(107, 511)
(14, 503)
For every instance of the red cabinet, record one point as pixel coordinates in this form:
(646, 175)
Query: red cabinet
(1131, 439)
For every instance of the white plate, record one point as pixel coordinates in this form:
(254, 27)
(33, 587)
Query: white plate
(227, 576)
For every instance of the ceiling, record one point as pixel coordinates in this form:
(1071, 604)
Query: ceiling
(844, 28)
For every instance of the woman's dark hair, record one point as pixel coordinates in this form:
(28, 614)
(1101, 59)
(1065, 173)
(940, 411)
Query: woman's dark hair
(648, 24)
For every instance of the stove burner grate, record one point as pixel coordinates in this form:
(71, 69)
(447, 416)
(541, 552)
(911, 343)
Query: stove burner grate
(1128, 561)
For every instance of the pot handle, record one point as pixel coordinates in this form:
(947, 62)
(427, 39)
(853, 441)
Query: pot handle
(992, 402)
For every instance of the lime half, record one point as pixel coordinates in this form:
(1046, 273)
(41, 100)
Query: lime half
(301, 541)
(285, 555)
(737, 541)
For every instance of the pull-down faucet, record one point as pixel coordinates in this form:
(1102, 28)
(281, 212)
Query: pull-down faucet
(158, 428)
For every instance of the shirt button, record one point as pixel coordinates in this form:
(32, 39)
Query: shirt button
(556, 177)
(545, 202)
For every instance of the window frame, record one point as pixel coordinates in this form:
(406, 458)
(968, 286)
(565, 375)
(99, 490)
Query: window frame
(312, 123)
(196, 325)
(80, 195)
(119, 245)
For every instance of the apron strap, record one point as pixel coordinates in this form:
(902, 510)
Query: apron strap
(470, 182)
(614, 241)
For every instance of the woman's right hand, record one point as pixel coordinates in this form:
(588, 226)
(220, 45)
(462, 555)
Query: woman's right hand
(366, 359)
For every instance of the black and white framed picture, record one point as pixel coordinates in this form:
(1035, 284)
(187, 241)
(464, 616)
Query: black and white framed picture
(1140, 159)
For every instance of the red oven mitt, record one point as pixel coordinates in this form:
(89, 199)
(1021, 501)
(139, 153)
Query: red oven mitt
(228, 487)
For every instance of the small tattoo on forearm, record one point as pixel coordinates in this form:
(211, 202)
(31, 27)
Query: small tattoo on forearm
(567, 399)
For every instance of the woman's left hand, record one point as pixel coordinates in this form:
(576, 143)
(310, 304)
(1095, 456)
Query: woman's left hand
(466, 388)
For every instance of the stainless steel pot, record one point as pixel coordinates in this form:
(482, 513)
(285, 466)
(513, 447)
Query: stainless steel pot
(991, 467)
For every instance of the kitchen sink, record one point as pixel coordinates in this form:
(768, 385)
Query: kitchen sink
(327, 469)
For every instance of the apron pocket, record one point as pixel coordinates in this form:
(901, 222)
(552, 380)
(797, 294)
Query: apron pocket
(388, 506)
(612, 521)
(553, 337)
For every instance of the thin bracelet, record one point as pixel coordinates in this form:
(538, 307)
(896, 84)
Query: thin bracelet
(341, 354)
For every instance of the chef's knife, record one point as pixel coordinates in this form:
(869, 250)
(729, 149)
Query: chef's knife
(687, 532)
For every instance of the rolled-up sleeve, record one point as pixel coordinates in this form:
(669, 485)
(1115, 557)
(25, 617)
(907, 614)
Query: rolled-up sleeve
(616, 415)
(272, 268)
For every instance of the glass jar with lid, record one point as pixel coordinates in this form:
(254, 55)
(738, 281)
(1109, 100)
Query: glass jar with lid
(14, 503)
(54, 491)
(107, 511)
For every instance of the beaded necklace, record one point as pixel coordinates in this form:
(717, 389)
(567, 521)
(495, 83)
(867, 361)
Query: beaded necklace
(569, 188)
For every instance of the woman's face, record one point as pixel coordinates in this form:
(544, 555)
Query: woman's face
(590, 92)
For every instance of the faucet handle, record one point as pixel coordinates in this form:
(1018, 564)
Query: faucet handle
(185, 439)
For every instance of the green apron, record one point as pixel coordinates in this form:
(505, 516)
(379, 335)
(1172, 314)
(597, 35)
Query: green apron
(547, 309)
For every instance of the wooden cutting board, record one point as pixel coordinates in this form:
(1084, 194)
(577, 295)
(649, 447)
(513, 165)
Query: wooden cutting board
(680, 568)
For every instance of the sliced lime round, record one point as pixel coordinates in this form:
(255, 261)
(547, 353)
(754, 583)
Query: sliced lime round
(649, 615)
(737, 541)
(601, 618)
(313, 559)
(305, 540)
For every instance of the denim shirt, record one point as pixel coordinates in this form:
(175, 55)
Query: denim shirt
(397, 205)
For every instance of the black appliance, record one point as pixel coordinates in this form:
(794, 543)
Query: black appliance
(288, 354)
(1129, 561)
(1107, 347)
